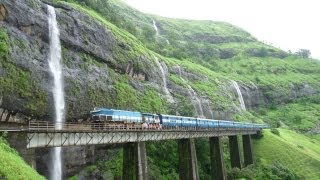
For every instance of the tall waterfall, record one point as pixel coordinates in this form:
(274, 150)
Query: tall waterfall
(155, 27)
(196, 102)
(57, 89)
(236, 86)
(164, 80)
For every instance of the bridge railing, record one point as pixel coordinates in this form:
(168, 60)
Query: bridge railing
(90, 126)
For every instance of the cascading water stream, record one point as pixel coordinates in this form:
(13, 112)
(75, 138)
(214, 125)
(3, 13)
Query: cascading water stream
(164, 80)
(155, 27)
(236, 86)
(195, 100)
(57, 90)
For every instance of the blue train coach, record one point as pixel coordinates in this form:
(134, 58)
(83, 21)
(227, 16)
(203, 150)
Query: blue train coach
(114, 115)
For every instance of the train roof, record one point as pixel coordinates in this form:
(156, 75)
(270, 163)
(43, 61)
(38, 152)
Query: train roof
(178, 116)
(97, 109)
(150, 114)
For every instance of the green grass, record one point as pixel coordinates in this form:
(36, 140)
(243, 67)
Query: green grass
(297, 152)
(13, 166)
(301, 115)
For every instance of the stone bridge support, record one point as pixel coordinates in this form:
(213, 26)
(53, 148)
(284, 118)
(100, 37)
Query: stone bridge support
(247, 149)
(188, 168)
(135, 161)
(218, 170)
(234, 152)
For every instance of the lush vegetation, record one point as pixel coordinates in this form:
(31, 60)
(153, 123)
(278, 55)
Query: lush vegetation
(217, 52)
(300, 116)
(272, 70)
(13, 166)
(300, 154)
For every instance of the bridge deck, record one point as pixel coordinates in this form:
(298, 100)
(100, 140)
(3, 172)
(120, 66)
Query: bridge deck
(46, 134)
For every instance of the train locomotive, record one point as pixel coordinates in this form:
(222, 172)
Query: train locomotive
(134, 119)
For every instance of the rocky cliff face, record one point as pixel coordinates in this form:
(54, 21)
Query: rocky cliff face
(90, 51)
(106, 66)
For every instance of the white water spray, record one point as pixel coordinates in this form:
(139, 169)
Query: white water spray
(57, 90)
(164, 80)
(236, 86)
(196, 102)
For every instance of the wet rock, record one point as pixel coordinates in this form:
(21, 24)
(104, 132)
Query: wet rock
(26, 29)
(13, 117)
(3, 12)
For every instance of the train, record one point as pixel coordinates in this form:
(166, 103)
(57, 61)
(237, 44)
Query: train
(163, 121)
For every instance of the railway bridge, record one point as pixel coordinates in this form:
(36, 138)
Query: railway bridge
(47, 134)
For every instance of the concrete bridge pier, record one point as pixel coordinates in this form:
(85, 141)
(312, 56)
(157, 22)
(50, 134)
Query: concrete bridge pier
(218, 170)
(234, 152)
(247, 149)
(188, 168)
(135, 161)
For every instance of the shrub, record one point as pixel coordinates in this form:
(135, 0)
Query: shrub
(301, 147)
(259, 135)
(237, 173)
(275, 131)
(283, 172)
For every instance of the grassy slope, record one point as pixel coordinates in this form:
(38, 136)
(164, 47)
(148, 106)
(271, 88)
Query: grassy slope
(13, 166)
(299, 153)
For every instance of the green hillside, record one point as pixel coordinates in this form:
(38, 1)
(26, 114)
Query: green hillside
(250, 61)
(13, 166)
(221, 52)
(297, 152)
(279, 88)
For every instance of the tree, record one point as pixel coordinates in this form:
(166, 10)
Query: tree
(305, 53)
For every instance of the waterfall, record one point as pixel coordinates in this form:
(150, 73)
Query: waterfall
(236, 86)
(164, 80)
(155, 27)
(196, 102)
(57, 90)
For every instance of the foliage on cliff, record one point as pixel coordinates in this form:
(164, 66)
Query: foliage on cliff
(13, 166)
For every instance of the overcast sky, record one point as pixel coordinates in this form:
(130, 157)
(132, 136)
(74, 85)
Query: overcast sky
(288, 24)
